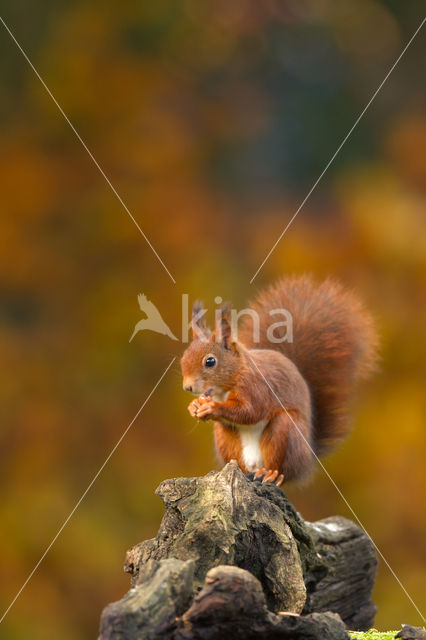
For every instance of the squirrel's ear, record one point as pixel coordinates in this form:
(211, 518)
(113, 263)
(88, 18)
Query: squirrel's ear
(223, 333)
(198, 324)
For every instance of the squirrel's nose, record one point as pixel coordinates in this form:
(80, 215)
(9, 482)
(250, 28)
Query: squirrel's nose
(188, 387)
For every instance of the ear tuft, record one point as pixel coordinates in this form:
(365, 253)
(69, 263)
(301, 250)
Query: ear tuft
(198, 324)
(223, 333)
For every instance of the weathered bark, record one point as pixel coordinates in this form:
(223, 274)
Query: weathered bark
(351, 563)
(411, 633)
(232, 605)
(222, 519)
(288, 565)
(149, 611)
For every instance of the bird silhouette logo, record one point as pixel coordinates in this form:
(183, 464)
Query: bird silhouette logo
(153, 321)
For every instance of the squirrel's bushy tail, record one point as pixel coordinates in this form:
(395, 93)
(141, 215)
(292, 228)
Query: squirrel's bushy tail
(334, 344)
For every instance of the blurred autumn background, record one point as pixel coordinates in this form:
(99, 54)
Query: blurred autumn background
(212, 120)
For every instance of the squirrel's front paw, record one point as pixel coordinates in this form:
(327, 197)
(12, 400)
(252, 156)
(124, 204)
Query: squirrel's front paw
(193, 408)
(202, 408)
(206, 411)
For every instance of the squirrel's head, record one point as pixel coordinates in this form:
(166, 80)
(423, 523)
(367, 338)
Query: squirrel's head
(211, 361)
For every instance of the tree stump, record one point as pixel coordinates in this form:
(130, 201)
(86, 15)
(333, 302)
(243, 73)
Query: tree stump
(233, 558)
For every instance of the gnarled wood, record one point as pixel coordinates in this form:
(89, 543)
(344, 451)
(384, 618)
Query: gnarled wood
(230, 556)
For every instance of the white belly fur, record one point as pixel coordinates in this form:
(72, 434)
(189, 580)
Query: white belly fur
(250, 441)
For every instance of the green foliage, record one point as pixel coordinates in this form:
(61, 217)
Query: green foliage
(373, 634)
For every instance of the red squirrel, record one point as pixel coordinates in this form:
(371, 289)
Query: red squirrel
(278, 405)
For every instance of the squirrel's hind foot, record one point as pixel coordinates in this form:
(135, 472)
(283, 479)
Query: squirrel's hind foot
(269, 475)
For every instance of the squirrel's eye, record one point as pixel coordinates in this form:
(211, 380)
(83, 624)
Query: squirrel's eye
(210, 361)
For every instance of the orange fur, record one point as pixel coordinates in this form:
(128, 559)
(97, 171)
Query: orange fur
(228, 444)
(296, 393)
(334, 344)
